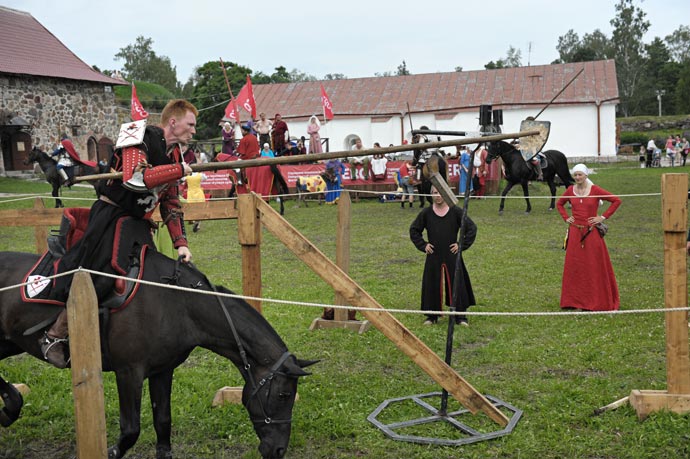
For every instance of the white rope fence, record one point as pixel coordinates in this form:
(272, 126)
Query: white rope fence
(316, 193)
(578, 314)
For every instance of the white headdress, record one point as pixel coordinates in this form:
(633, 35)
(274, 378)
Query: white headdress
(580, 168)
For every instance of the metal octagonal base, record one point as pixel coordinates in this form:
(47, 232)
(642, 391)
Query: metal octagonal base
(465, 433)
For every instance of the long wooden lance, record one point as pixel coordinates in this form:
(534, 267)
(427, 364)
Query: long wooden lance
(244, 163)
(559, 93)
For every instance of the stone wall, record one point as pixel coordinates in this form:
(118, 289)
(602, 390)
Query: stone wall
(682, 125)
(55, 106)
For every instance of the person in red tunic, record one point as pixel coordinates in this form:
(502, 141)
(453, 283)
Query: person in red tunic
(249, 145)
(279, 134)
(589, 282)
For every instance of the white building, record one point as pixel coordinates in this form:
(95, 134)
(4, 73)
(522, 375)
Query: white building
(583, 121)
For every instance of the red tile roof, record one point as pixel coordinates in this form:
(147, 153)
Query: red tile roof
(444, 92)
(28, 48)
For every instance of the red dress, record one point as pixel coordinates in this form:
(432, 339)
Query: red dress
(588, 279)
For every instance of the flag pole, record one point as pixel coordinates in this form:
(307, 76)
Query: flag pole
(232, 98)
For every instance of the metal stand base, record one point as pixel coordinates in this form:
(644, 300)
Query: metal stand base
(470, 434)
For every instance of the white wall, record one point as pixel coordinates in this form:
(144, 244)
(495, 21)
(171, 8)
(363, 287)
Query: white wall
(573, 128)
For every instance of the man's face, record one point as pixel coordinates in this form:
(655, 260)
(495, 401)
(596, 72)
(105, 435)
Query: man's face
(278, 118)
(263, 117)
(436, 196)
(358, 142)
(182, 130)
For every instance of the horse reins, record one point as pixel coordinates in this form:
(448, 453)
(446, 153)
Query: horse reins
(243, 353)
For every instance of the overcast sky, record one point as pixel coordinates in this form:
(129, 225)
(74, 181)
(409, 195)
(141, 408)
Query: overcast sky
(356, 37)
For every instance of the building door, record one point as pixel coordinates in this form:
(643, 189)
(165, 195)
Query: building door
(104, 150)
(15, 150)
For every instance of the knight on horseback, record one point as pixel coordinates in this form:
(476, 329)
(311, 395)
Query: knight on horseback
(151, 161)
(535, 162)
(66, 157)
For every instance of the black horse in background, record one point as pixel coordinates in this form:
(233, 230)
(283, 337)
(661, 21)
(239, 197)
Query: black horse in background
(49, 167)
(517, 171)
(155, 334)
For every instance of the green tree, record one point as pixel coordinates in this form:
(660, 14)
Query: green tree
(597, 44)
(402, 69)
(567, 46)
(210, 93)
(629, 26)
(592, 47)
(335, 76)
(682, 90)
(142, 63)
(513, 59)
(679, 44)
(297, 75)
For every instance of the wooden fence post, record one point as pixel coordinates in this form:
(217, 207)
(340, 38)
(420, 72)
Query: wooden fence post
(674, 189)
(342, 260)
(249, 236)
(41, 232)
(87, 374)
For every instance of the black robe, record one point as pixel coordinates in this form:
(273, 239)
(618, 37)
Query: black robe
(439, 269)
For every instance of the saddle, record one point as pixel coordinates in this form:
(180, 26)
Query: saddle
(126, 260)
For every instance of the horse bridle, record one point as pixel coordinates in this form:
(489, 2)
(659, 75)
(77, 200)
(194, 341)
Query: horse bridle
(268, 379)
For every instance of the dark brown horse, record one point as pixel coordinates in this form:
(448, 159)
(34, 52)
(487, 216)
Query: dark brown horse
(517, 171)
(49, 167)
(154, 335)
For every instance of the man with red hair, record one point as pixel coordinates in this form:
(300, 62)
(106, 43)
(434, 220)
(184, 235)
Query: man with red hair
(151, 167)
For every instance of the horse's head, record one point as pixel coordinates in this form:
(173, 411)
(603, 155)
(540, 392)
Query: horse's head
(33, 156)
(269, 401)
(497, 149)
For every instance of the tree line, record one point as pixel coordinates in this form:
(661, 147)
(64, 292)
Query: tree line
(646, 72)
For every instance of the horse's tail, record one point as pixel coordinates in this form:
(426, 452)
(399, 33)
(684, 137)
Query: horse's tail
(560, 165)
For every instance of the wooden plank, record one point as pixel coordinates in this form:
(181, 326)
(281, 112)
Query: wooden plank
(87, 375)
(674, 215)
(249, 236)
(208, 210)
(342, 248)
(646, 402)
(393, 329)
(30, 217)
(40, 232)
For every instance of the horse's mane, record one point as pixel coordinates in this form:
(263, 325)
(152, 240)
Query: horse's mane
(252, 315)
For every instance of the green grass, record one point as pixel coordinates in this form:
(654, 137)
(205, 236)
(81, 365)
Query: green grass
(556, 369)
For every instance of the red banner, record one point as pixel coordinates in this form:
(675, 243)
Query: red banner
(246, 98)
(138, 113)
(327, 106)
(230, 110)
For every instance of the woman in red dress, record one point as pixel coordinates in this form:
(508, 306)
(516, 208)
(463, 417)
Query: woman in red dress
(588, 279)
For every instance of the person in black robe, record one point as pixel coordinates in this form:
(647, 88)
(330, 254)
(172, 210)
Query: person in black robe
(442, 224)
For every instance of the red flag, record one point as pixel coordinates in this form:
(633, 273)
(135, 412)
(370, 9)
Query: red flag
(230, 110)
(138, 112)
(246, 98)
(327, 106)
